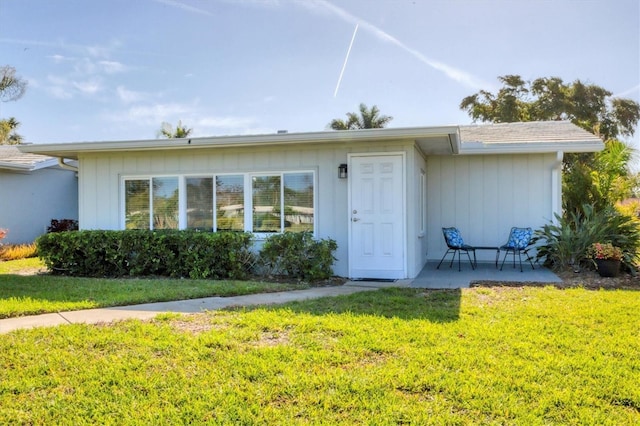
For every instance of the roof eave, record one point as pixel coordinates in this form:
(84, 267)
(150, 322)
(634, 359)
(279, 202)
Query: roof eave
(71, 150)
(530, 148)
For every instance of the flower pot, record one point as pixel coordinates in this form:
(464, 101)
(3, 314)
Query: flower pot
(608, 268)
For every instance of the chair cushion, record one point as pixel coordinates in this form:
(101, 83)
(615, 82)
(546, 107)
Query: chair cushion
(453, 237)
(520, 238)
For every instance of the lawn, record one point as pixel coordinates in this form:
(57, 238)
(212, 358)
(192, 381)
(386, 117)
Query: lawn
(37, 294)
(528, 356)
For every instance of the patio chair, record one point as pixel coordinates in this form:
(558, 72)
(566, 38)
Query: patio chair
(455, 244)
(518, 243)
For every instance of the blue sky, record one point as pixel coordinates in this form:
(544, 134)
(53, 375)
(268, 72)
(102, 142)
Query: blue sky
(115, 70)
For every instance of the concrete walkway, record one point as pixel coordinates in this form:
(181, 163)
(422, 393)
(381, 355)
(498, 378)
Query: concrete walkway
(150, 310)
(430, 277)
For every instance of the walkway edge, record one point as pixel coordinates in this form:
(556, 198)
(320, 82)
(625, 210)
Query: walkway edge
(150, 310)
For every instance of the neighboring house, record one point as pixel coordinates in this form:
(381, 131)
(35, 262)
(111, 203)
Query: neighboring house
(402, 186)
(33, 190)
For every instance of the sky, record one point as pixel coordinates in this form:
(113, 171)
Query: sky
(106, 70)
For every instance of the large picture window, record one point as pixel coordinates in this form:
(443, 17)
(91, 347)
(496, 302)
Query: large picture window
(260, 203)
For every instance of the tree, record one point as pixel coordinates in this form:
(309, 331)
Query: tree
(586, 105)
(368, 119)
(181, 131)
(8, 135)
(599, 179)
(12, 87)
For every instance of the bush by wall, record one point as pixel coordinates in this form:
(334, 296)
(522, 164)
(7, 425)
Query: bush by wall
(298, 255)
(190, 254)
(565, 243)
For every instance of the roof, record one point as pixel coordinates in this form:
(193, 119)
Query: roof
(525, 137)
(433, 140)
(532, 137)
(12, 158)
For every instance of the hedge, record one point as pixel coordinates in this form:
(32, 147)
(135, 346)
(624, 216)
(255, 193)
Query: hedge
(113, 254)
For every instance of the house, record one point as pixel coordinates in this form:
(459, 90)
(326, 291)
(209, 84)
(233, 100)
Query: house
(34, 189)
(382, 194)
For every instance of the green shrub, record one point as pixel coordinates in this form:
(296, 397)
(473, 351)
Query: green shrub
(565, 243)
(298, 255)
(190, 254)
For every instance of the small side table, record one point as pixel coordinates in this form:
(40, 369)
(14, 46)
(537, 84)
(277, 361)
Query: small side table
(497, 249)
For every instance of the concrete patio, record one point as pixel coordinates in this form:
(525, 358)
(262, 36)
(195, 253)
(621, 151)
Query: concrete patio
(447, 277)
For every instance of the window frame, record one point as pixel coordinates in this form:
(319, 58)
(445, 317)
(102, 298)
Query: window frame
(247, 193)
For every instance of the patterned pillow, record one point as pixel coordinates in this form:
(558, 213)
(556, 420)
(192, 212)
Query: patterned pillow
(520, 238)
(453, 237)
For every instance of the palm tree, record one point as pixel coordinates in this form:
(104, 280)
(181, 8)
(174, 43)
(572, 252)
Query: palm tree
(8, 135)
(368, 119)
(166, 131)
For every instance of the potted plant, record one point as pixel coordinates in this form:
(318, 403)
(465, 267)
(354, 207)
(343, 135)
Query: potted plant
(607, 258)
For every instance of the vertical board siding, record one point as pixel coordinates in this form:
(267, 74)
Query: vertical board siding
(100, 179)
(484, 196)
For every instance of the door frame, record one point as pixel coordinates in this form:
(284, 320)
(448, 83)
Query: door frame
(403, 177)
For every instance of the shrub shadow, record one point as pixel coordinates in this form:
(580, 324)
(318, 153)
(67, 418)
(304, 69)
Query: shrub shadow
(439, 306)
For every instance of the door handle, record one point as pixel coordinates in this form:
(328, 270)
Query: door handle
(355, 219)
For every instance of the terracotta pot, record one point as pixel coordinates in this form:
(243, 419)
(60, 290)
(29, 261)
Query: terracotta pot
(608, 268)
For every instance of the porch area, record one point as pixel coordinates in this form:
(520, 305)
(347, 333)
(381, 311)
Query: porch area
(446, 277)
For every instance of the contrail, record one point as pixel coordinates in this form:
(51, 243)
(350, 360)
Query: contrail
(345, 61)
(458, 75)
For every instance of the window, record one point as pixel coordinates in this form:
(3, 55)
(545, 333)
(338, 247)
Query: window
(261, 203)
(151, 203)
(230, 203)
(137, 204)
(298, 202)
(200, 203)
(267, 204)
(165, 203)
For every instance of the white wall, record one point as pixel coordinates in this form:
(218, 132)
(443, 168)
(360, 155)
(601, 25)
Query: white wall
(100, 176)
(28, 202)
(484, 196)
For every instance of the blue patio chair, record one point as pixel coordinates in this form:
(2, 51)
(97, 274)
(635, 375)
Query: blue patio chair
(518, 243)
(455, 244)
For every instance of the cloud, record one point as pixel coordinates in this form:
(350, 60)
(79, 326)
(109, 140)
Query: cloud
(88, 87)
(463, 77)
(59, 92)
(179, 5)
(129, 96)
(63, 88)
(112, 67)
(203, 124)
(58, 59)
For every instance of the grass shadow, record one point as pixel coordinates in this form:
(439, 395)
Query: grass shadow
(439, 306)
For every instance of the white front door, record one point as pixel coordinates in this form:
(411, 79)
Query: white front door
(377, 243)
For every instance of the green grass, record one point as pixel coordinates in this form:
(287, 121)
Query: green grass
(37, 294)
(517, 356)
(15, 266)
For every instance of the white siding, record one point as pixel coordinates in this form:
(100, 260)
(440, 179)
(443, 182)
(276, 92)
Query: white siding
(28, 202)
(100, 177)
(416, 241)
(484, 196)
